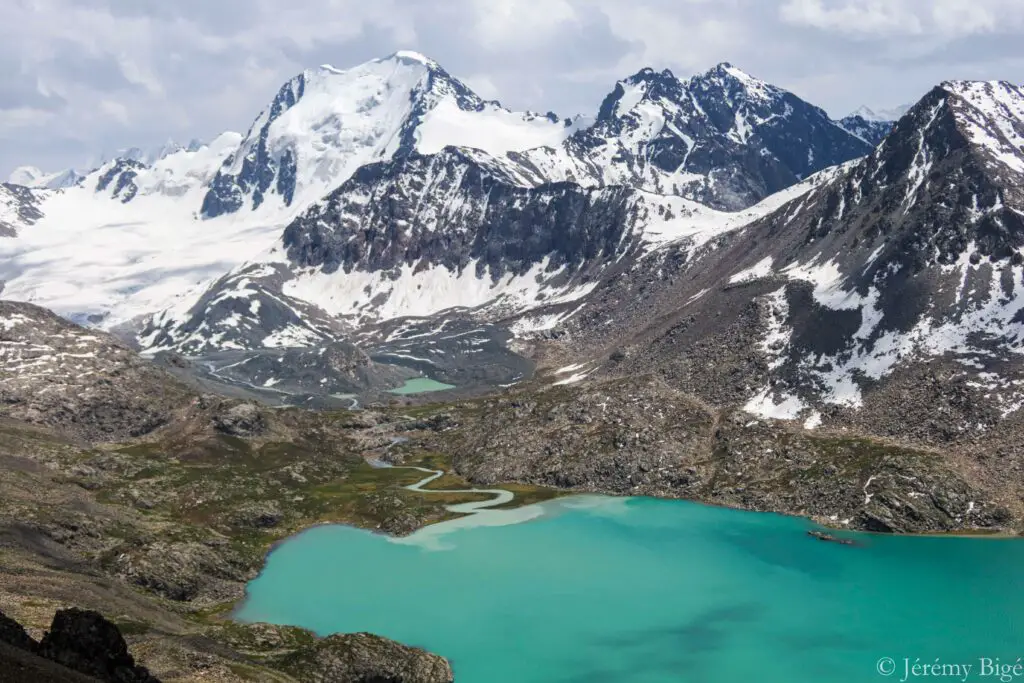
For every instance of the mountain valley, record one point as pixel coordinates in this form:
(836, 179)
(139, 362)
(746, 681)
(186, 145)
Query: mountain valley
(709, 290)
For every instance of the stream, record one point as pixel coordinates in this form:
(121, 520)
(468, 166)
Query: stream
(501, 497)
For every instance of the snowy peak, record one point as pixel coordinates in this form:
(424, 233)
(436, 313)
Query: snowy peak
(946, 187)
(324, 124)
(870, 125)
(32, 177)
(872, 132)
(723, 138)
(990, 114)
(149, 155)
(412, 56)
(732, 82)
(880, 115)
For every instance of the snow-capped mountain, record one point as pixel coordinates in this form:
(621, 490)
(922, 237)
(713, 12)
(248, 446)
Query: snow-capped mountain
(416, 233)
(890, 296)
(870, 125)
(722, 138)
(176, 172)
(32, 177)
(133, 238)
(325, 124)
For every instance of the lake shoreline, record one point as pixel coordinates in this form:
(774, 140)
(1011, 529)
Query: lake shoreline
(703, 546)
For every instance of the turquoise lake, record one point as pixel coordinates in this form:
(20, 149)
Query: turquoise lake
(636, 590)
(420, 385)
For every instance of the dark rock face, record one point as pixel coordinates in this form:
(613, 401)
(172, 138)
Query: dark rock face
(86, 642)
(12, 633)
(365, 658)
(259, 168)
(373, 221)
(942, 180)
(119, 179)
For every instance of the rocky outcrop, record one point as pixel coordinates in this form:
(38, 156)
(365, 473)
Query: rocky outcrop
(184, 571)
(244, 419)
(78, 641)
(86, 642)
(366, 658)
(118, 179)
(14, 634)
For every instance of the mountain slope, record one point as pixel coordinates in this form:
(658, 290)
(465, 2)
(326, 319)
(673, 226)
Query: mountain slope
(138, 236)
(75, 380)
(904, 265)
(424, 233)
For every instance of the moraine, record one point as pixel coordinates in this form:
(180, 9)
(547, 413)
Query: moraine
(638, 590)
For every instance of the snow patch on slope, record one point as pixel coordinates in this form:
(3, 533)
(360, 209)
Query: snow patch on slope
(91, 259)
(493, 130)
(422, 292)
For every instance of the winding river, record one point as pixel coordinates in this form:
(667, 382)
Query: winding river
(501, 496)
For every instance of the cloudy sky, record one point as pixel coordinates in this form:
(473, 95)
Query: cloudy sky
(83, 77)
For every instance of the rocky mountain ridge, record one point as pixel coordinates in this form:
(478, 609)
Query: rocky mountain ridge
(901, 263)
(425, 233)
(722, 138)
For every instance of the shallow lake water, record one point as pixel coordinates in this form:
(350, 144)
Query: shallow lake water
(420, 385)
(635, 590)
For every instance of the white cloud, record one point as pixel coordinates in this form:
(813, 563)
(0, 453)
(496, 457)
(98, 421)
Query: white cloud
(12, 120)
(933, 18)
(98, 75)
(503, 23)
(116, 110)
(482, 86)
(853, 16)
